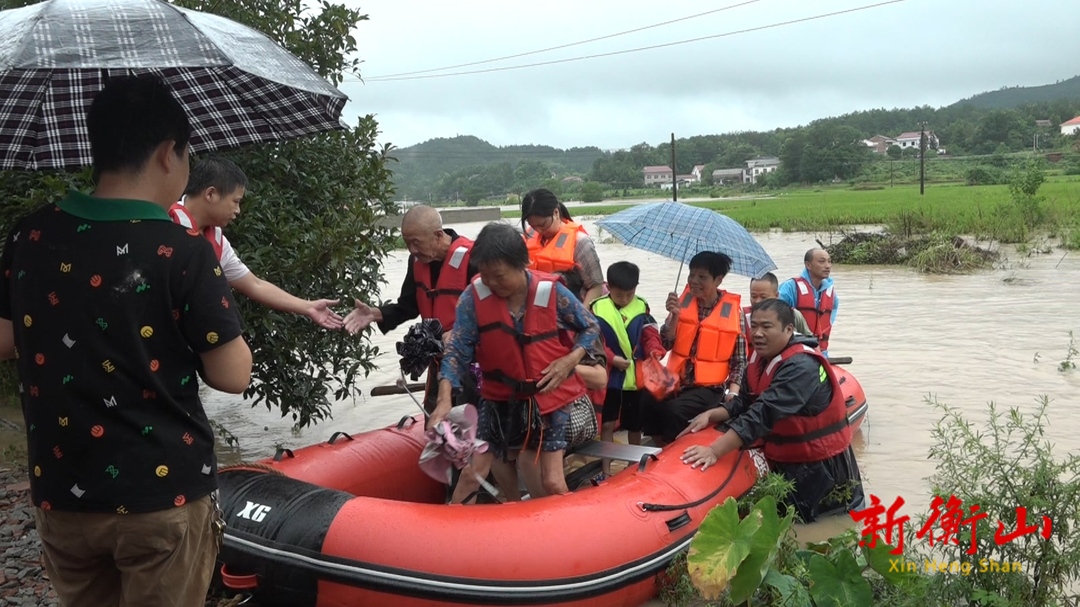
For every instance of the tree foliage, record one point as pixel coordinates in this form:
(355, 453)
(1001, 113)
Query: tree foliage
(308, 221)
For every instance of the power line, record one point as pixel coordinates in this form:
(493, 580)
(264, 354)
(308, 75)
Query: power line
(640, 49)
(562, 46)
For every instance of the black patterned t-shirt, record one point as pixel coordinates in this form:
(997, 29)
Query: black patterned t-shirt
(111, 304)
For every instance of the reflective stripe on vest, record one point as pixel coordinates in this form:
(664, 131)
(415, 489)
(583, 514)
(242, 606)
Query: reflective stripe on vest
(818, 314)
(440, 300)
(513, 361)
(803, 438)
(716, 337)
(618, 319)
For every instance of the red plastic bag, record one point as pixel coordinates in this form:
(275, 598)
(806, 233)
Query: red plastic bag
(653, 376)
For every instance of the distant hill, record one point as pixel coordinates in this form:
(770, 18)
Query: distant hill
(419, 166)
(1012, 97)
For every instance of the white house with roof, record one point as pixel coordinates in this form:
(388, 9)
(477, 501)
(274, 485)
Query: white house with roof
(657, 175)
(759, 166)
(698, 173)
(910, 139)
(1070, 127)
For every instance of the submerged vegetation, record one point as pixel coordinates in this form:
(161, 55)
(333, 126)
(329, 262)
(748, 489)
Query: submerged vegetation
(998, 533)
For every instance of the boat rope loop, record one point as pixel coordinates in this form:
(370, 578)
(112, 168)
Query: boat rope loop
(251, 467)
(668, 507)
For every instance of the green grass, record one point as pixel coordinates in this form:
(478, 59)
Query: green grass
(978, 210)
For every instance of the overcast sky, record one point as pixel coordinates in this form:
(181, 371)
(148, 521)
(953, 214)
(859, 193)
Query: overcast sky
(909, 53)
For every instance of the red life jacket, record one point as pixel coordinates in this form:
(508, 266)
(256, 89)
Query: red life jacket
(597, 396)
(746, 330)
(818, 317)
(440, 300)
(512, 362)
(802, 438)
(181, 216)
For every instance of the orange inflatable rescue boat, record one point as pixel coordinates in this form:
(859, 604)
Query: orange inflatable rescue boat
(354, 521)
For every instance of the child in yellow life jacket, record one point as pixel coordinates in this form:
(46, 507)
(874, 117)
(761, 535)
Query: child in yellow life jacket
(632, 334)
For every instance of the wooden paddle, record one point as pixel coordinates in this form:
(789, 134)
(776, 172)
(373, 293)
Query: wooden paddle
(842, 360)
(395, 389)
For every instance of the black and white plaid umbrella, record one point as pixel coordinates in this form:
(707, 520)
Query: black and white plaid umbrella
(237, 85)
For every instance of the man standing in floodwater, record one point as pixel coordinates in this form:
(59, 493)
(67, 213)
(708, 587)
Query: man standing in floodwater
(791, 400)
(811, 293)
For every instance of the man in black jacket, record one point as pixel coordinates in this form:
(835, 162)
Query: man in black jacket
(791, 400)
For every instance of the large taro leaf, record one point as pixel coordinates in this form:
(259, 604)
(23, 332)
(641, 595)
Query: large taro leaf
(890, 566)
(720, 545)
(792, 592)
(763, 548)
(839, 583)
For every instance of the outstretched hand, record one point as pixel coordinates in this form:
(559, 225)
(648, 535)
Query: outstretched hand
(360, 318)
(321, 314)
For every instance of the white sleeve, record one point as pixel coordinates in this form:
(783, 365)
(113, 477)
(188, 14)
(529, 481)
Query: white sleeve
(231, 265)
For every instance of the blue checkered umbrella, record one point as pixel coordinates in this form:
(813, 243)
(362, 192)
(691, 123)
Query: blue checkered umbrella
(680, 231)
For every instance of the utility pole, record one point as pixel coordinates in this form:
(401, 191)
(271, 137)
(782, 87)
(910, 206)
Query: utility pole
(922, 159)
(674, 173)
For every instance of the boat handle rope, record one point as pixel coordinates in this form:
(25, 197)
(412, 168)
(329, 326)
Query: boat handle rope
(645, 459)
(668, 507)
(334, 436)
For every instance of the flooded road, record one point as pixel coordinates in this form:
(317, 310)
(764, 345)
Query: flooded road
(966, 340)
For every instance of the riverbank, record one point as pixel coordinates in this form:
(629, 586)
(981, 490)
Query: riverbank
(23, 581)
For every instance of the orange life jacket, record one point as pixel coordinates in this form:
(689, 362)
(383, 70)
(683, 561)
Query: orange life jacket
(558, 254)
(213, 234)
(512, 362)
(818, 316)
(440, 300)
(802, 438)
(716, 337)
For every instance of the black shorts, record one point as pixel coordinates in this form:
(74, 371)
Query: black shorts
(623, 406)
(670, 417)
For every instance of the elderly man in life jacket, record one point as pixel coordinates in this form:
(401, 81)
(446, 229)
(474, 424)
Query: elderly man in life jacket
(439, 270)
(792, 400)
(811, 293)
(528, 333)
(211, 202)
(704, 331)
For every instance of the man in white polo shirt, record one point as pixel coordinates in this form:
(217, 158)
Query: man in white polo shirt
(212, 200)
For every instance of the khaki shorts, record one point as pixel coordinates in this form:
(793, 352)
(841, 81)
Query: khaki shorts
(161, 558)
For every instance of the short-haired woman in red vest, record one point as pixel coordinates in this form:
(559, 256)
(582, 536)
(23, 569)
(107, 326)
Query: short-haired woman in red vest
(528, 332)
